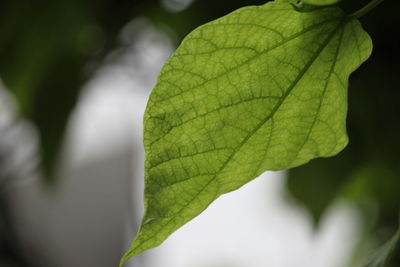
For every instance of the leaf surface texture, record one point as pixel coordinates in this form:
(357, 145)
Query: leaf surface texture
(263, 88)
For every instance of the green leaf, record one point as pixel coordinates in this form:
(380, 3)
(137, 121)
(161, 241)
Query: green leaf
(383, 254)
(263, 88)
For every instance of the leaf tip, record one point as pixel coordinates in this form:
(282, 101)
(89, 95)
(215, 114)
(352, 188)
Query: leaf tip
(128, 255)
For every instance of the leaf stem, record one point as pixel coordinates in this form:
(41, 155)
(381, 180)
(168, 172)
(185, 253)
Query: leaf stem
(364, 10)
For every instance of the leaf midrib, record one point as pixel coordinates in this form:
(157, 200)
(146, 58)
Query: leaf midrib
(229, 71)
(289, 90)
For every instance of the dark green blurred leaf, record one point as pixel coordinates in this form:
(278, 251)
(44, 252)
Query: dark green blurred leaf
(317, 183)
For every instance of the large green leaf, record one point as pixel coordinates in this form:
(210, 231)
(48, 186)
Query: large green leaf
(263, 88)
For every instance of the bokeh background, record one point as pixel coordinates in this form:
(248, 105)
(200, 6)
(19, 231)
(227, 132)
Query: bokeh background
(75, 76)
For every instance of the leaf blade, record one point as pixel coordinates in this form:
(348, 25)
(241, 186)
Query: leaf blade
(225, 105)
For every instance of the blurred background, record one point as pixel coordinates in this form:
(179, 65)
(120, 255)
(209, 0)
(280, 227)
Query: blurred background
(75, 76)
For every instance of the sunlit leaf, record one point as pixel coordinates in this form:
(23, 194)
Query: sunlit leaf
(263, 88)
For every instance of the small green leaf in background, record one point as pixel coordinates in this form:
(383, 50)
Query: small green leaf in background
(383, 254)
(263, 88)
